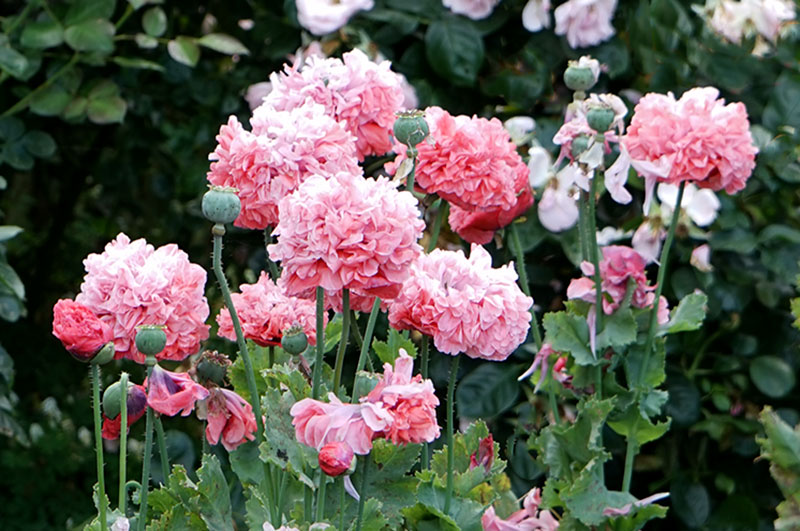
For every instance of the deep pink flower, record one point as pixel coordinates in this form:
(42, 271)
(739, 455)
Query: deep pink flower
(173, 392)
(472, 162)
(265, 311)
(464, 304)
(285, 147)
(410, 401)
(478, 226)
(136, 403)
(82, 333)
(132, 284)
(347, 232)
(230, 418)
(361, 94)
(484, 457)
(529, 518)
(335, 458)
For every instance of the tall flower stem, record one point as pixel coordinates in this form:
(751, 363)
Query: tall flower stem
(337, 374)
(150, 361)
(218, 231)
(583, 220)
(98, 441)
(451, 389)
(341, 504)
(364, 354)
(423, 369)
(523, 280)
(321, 497)
(363, 492)
(273, 268)
(354, 329)
(594, 255)
(123, 442)
(320, 343)
(411, 153)
(270, 356)
(444, 207)
(162, 449)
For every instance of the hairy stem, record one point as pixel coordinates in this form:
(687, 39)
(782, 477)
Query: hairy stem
(320, 343)
(451, 388)
(444, 207)
(423, 369)
(98, 441)
(150, 361)
(363, 492)
(123, 442)
(523, 280)
(337, 374)
(162, 449)
(363, 356)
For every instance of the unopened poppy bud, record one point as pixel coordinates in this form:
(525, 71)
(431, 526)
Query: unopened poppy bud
(579, 145)
(410, 128)
(600, 118)
(579, 78)
(221, 204)
(335, 458)
(105, 354)
(82, 333)
(111, 398)
(213, 366)
(294, 340)
(150, 339)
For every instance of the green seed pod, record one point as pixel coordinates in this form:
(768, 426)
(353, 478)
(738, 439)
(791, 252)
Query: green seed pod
(111, 398)
(213, 366)
(600, 118)
(221, 204)
(294, 340)
(579, 145)
(579, 78)
(105, 354)
(151, 339)
(410, 128)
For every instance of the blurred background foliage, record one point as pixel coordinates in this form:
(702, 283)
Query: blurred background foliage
(108, 110)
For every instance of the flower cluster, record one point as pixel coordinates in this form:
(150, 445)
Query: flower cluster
(132, 284)
(464, 304)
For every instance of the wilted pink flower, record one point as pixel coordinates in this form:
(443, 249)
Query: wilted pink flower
(361, 94)
(335, 458)
(696, 138)
(265, 311)
(626, 509)
(136, 402)
(484, 457)
(478, 226)
(464, 304)
(410, 401)
(325, 16)
(173, 392)
(474, 9)
(529, 518)
(472, 162)
(81, 332)
(132, 284)
(347, 232)
(230, 417)
(585, 22)
(542, 360)
(284, 149)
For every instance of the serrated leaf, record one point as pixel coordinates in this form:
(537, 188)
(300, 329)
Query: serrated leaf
(107, 110)
(569, 333)
(619, 330)
(154, 21)
(184, 50)
(219, 42)
(12, 62)
(39, 144)
(689, 315)
(455, 50)
(388, 351)
(464, 514)
(633, 424)
(586, 498)
(42, 34)
(373, 518)
(216, 511)
(280, 445)
(646, 372)
(91, 36)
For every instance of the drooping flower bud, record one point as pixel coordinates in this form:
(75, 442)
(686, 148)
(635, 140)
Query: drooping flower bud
(410, 128)
(221, 204)
(484, 457)
(136, 401)
(81, 332)
(294, 340)
(151, 339)
(335, 458)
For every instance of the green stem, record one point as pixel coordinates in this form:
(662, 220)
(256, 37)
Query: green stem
(451, 388)
(423, 369)
(150, 361)
(337, 374)
(320, 343)
(128, 12)
(307, 503)
(273, 267)
(630, 452)
(162, 449)
(583, 220)
(412, 154)
(342, 500)
(363, 492)
(270, 356)
(123, 442)
(437, 224)
(523, 280)
(21, 104)
(554, 405)
(98, 441)
(321, 497)
(354, 331)
(363, 356)
(594, 254)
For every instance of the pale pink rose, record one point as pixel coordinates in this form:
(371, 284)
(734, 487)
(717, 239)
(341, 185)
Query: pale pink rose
(284, 148)
(479, 226)
(464, 304)
(265, 312)
(81, 332)
(132, 284)
(361, 94)
(229, 418)
(585, 22)
(701, 258)
(536, 15)
(474, 9)
(529, 518)
(335, 458)
(171, 393)
(347, 232)
(770, 16)
(471, 162)
(410, 400)
(325, 16)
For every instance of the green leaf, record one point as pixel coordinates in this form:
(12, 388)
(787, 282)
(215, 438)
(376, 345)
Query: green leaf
(487, 391)
(650, 376)
(11, 128)
(464, 514)
(633, 424)
(689, 315)
(11, 308)
(782, 108)
(51, 101)
(135, 62)
(683, 404)
(83, 10)
(103, 88)
(91, 36)
(184, 50)
(388, 351)
(7, 232)
(154, 21)
(145, 41)
(76, 109)
(587, 497)
(772, 376)
(219, 42)
(42, 34)
(690, 501)
(280, 445)
(333, 333)
(10, 281)
(107, 110)
(17, 156)
(12, 62)
(619, 330)
(216, 511)
(454, 49)
(736, 513)
(569, 333)
(39, 144)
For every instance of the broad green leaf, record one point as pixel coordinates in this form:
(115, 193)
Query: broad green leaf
(687, 316)
(772, 376)
(16, 156)
(107, 110)
(587, 497)
(216, 511)
(42, 34)
(11, 128)
(646, 372)
(372, 518)
(782, 108)
(103, 88)
(487, 391)
(10, 281)
(39, 144)
(569, 333)
(464, 514)
(782, 443)
(184, 50)
(691, 501)
(83, 10)
(619, 330)
(219, 42)
(333, 334)
(180, 451)
(51, 101)
(632, 423)
(75, 109)
(12, 62)
(91, 36)
(455, 50)
(11, 308)
(280, 445)
(154, 21)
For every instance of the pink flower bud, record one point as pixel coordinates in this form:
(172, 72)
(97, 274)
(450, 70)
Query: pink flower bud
(335, 458)
(79, 329)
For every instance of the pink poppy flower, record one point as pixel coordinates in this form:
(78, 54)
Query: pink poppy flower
(478, 226)
(464, 304)
(472, 162)
(410, 401)
(265, 311)
(335, 458)
(230, 418)
(136, 403)
(585, 22)
(361, 94)
(81, 332)
(347, 232)
(529, 518)
(284, 149)
(172, 392)
(132, 284)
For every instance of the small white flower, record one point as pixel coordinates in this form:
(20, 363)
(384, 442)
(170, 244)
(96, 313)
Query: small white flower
(701, 205)
(536, 15)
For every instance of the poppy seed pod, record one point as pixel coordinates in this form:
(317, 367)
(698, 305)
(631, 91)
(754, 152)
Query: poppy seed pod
(600, 118)
(294, 340)
(150, 339)
(410, 128)
(221, 204)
